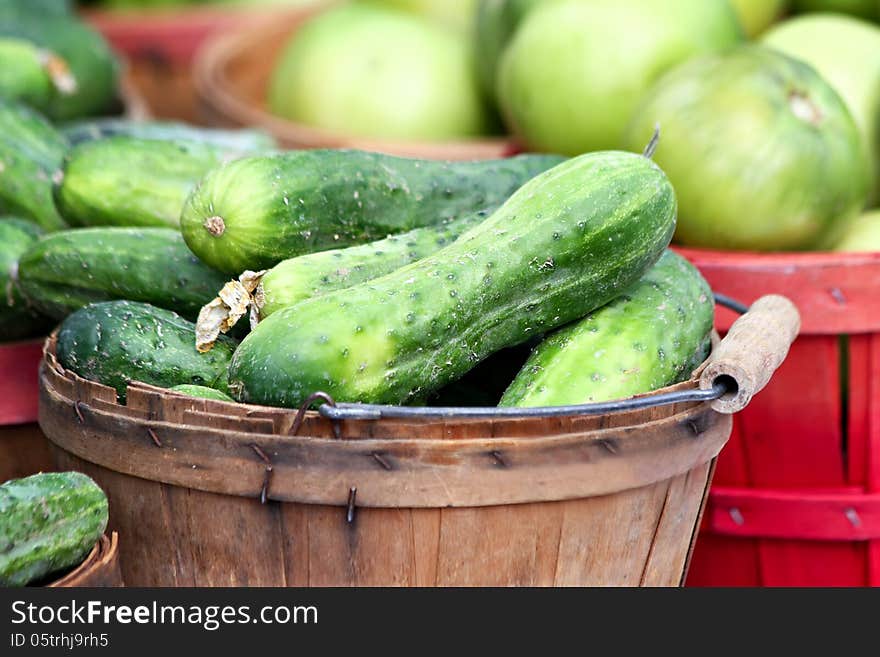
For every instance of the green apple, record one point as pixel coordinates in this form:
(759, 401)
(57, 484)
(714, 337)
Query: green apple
(862, 235)
(574, 71)
(763, 154)
(367, 71)
(496, 21)
(757, 15)
(846, 52)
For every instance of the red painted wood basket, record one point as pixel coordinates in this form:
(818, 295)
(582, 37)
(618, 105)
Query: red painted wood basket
(23, 447)
(796, 496)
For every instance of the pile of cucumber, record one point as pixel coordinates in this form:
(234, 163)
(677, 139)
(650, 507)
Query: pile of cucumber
(49, 522)
(54, 62)
(535, 279)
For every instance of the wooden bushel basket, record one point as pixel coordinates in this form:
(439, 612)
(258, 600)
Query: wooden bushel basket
(100, 568)
(23, 447)
(231, 73)
(796, 495)
(213, 493)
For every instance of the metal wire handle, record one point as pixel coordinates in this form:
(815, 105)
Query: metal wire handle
(353, 411)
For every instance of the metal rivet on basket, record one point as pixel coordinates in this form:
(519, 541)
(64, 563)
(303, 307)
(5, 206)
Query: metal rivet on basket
(154, 437)
(498, 458)
(352, 494)
(736, 516)
(609, 444)
(382, 461)
(853, 517)
(267, 474)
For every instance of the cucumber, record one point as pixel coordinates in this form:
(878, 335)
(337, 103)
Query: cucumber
(258, 211)
(31, 151)
(244, 140)
(296, 279)
(313, 274)
(24, 75)
(70, 269)
(201, 391)
(565, 243)
(48, 522)
(13, 9)
(87, 62)
(17, 319)
(125, 181)
(651, 336)
(115, 342)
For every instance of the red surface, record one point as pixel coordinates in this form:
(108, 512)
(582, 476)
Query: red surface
(19, 365)
(171, 36)
(802, 467)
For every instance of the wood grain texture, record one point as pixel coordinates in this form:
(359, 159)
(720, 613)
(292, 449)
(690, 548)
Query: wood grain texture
(24, 451)
(608, 500)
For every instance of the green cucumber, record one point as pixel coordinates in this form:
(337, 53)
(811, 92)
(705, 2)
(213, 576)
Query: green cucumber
(244, 140)
(49, 522)
(116, 342)
(125, 181)
(651, 336)
(17, 318)
(89, 65)
(13, 9)
(255, 212)
(203, 392)
(70, 269)
(31, 151)
(567, 242)
(24, 75)
(298, 279)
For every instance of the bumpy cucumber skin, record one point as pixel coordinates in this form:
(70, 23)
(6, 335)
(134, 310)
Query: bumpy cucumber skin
(313, 274)
(86, 53)
(243, 140)
(115, 342)
(201, 391)
(255, 212)
(565, 243)
(125, 181)
(17, 318)
(649, 337)
(70, 269)
(48, 522)
(31, 151)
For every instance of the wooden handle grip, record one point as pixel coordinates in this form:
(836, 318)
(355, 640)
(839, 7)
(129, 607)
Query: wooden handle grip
(753, 348)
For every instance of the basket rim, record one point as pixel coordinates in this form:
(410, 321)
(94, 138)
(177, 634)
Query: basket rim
(216, 91)
(196, 443)
(101, 561)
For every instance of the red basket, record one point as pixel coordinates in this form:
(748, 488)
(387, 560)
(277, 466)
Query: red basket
(24, 449)
(795, 500)
(19, 376)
